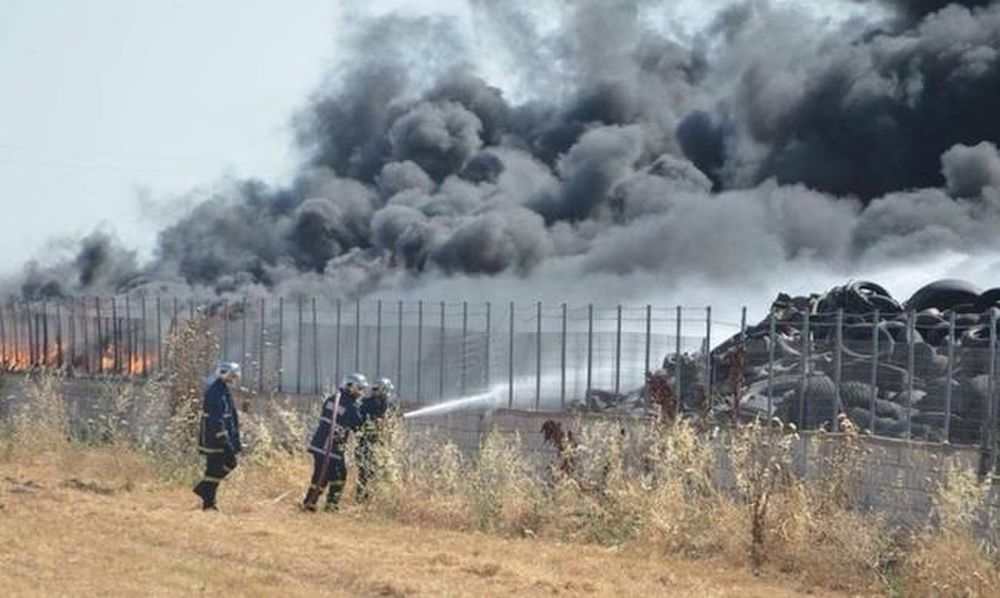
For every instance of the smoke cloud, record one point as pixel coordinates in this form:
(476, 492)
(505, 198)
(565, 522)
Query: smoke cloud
(772, 144)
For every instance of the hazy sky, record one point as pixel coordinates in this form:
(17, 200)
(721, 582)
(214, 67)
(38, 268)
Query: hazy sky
(105, 102)
(108, 100)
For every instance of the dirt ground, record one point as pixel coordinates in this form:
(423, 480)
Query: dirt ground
(67, 530)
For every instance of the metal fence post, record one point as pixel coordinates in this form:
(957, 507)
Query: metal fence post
(618, 350)
(562, 362)
(100, 336)
(15, 333)
(71, 323)
(677, 358)
(15, 323)
(30, 334)
(36, 324)
(378, 338)
(85, 325)
(317, 385)
(772, 341)
(59, 338)
(281, 339)
(26, 314)
(31, 319)
(300, 332)
(441, 352)
(45, 334)
(838, 371)
(590, 350)
(13, 347)
(486, 347)
(805, 370)
(649, 334)
(746, 347)
(224, 345)
(420, 349)
(19, 340)
(260, 346)
(357, 335)
(116, 350)
(243, 332)
(465, 350)
(911, 317)
(336, 349)
(874, 381)
(145, 337)
(33, 332)
(125, 337)
(994, 408)
(538, 356)
(510, 361)
(29, 331)
(159, 332)
(399, 345)
(951, 376)
(3, 338)
(991, 406)
(708, 354)
(46, 346)
(175, 322)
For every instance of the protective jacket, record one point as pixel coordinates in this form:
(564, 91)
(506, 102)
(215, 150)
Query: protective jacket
(347, 419)
(220, 424)
(373, 411)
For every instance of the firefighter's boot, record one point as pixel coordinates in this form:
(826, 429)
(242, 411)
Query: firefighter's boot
(309, 502)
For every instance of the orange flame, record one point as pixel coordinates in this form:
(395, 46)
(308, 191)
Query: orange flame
(19, 359)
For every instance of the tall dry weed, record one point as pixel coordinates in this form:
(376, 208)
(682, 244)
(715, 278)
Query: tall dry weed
(762, 458)
(169, 412)
(824, 535)
(420, 477)
(956, 555)
(502, 492)
(38, 420)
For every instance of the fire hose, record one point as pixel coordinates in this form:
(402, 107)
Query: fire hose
(328, 444)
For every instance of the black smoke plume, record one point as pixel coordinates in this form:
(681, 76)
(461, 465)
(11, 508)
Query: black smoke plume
(769, 142)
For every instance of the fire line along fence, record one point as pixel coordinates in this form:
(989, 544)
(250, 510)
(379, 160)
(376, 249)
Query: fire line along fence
(895, 379)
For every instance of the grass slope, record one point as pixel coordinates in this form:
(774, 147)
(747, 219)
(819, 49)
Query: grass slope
(89, 522)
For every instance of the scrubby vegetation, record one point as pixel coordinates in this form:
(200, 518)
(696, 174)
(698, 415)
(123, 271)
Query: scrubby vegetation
(676, 490)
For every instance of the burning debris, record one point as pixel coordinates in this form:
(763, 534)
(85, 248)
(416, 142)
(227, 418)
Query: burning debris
(79, 337)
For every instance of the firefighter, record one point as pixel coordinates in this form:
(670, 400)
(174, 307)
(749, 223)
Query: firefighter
(219, 436)
(339, 417)
(374, 410)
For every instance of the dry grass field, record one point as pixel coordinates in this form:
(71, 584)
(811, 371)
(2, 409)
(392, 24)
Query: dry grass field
(89, 522)
(104, 507)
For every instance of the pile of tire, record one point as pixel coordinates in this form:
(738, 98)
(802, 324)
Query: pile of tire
(896, 363)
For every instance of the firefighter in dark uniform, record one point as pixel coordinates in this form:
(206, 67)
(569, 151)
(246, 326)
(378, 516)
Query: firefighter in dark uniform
(339, 417)
(219, 435)
(375, 409)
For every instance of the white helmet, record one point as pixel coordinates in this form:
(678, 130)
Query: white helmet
(226, 367)
(355, 383)
(383, 387)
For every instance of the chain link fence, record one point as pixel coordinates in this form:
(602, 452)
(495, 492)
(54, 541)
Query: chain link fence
(900, 377)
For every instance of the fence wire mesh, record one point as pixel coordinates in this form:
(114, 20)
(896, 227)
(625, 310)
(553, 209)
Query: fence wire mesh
(905, 376)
